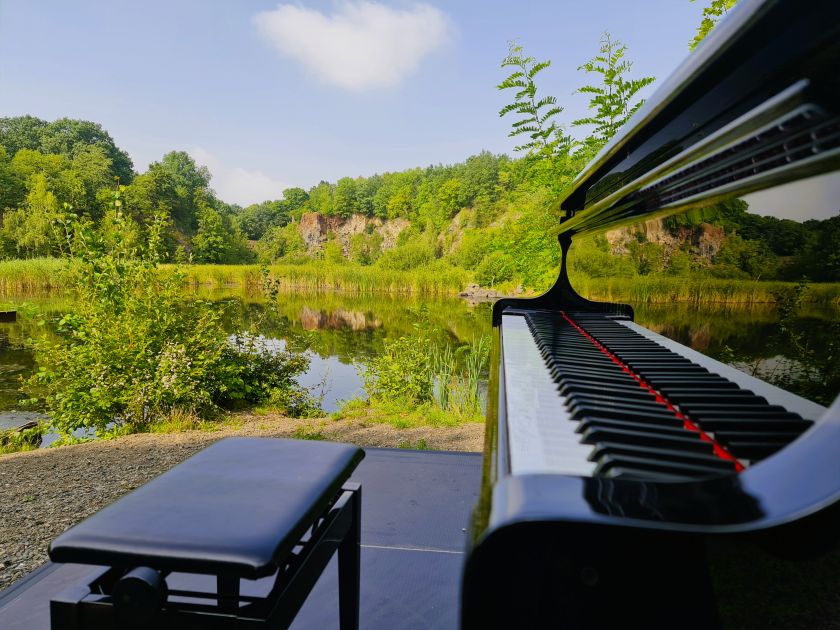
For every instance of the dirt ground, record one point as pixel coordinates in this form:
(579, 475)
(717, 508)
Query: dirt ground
(44, 492)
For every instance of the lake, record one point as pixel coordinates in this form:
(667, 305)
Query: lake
(340, 330)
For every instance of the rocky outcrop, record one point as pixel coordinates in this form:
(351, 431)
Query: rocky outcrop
(705, 240)
(316, 229)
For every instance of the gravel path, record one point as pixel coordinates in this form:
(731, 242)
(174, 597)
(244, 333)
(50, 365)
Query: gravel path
(44, 492)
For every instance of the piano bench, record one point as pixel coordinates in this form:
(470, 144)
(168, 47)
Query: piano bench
(241, 509)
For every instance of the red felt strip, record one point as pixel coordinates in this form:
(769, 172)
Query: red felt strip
(718, 448)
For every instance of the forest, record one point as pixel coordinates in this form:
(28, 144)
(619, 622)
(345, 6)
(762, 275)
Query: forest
(489, 216)
(485, 215)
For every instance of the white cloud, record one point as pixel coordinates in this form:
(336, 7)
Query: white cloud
(236, 184)
(360, 45)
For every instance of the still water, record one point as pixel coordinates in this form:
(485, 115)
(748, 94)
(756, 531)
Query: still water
(340, 330)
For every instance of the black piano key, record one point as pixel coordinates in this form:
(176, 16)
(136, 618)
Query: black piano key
(722, 411)
(675, 389)
(669, 426)
(579, 411)
(609, 462)
(628, 472)
(689, 442)
(724, 396)
(741, 408)
(781, 437)
(664, 454)
(599, 382)
(617, 376)
(748, 424)
(630, 392)
(754, 450)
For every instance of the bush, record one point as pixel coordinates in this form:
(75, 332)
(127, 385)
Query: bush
(409, 256)
(136, 349)
(495, 268)
(402, 371)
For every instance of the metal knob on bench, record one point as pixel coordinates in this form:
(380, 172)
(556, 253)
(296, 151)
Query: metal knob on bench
(139, 595)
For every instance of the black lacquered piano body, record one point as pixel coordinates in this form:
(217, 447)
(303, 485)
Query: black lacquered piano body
(614, 474)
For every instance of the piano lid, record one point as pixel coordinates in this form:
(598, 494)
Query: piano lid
(757, 105)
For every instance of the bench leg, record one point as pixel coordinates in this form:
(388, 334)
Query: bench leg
(349, 562)
(227, 589)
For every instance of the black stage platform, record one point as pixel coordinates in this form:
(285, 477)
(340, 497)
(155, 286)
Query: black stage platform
(415, 508)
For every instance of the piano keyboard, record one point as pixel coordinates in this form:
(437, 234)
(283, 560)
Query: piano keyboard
(592, 396)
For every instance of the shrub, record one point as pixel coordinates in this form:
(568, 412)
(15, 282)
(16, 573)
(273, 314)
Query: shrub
(402, 371)
(136, 349)
(495, 268)
(409, 256)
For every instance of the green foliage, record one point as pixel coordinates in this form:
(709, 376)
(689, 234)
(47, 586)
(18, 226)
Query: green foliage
(496, 267)
(536, 115)
(136, 349)
(257, 219)
(712, 14)
(365, 249)
(402, 371)
(411, 255)
(280, 243)
(218, 238)
(611, 101)
(66, 137)
(24, 438)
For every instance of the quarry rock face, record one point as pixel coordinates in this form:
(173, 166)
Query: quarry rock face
(316, 229)
(705, 240)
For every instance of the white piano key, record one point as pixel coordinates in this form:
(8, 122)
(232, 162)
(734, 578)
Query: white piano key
(541, 435)
(773, 395)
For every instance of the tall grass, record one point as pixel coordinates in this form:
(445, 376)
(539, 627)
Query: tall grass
(45, 274)
(31, 275)
(324, 276)
(693, 290)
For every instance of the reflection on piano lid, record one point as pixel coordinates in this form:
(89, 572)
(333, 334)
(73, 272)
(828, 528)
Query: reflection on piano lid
(756, 106)
(614, 455)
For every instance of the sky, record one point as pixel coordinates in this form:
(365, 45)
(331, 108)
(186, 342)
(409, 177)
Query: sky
(271, 95)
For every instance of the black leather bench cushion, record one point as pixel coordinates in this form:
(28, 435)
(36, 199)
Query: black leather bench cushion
(237, 507)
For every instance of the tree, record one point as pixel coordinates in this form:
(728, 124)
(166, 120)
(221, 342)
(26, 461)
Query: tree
(295, 200)
(21, 132)
(712, 14)
(537, 115)
(12, 189)
(345, 197)
(93, 167)
(280, 242)
(30, 229)
(365, 249)
(320, 199)
(218, 239)
(612, 101)
(256, 219)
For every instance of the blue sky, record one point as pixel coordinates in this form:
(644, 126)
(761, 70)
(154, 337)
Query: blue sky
(274, 95)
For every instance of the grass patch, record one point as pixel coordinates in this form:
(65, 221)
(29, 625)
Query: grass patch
(181, 421)
(699, 290)
(31, 275)
(419, 445)
(310, 431)
(16, 440)
(402, 415)
(438, 280)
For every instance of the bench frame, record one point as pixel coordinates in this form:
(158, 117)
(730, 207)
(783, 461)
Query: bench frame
(337, 528)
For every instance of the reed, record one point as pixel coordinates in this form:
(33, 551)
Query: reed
(323, 276)
(31, 275)
(693, 290)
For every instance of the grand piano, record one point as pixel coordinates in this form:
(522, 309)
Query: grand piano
(619, 465)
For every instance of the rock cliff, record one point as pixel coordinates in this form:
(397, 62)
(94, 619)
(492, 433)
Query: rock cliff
(316, 229)
(705, 240)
